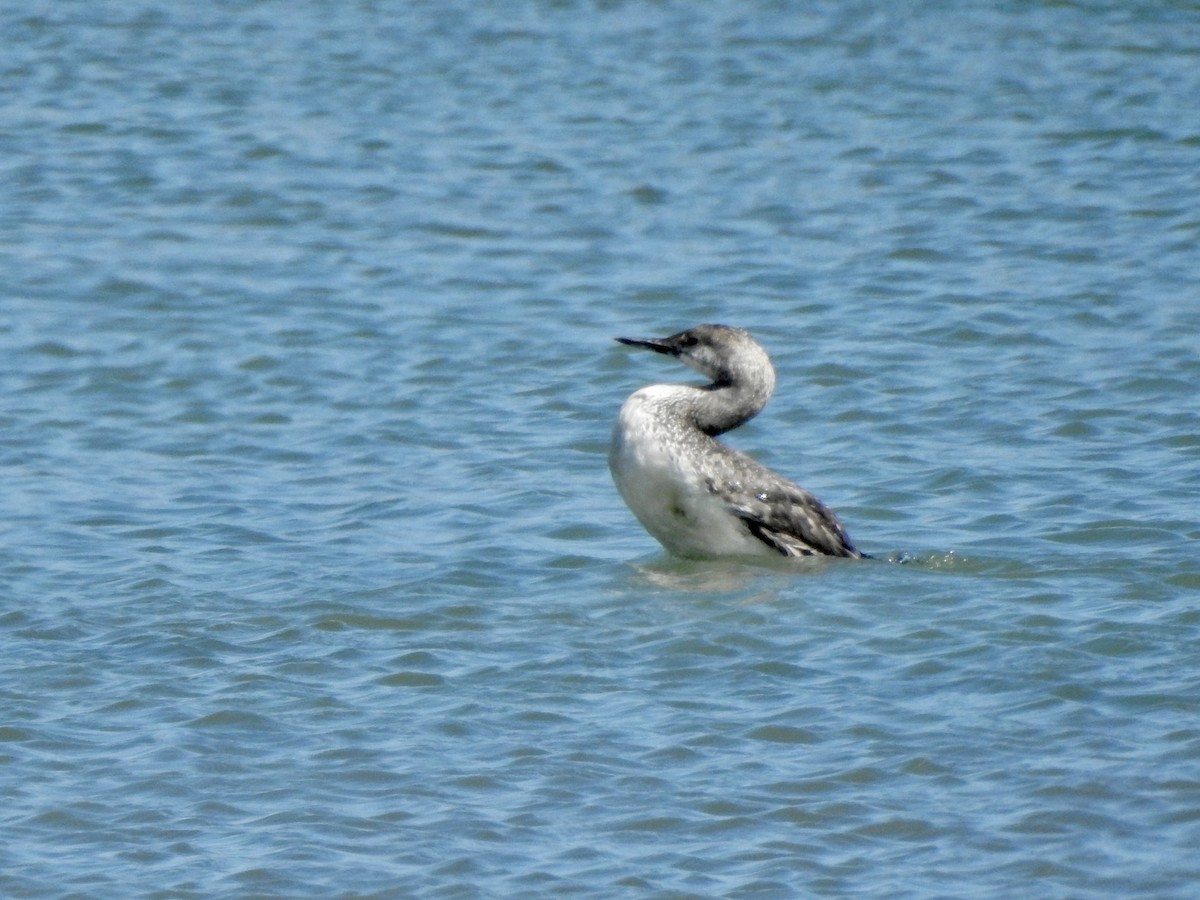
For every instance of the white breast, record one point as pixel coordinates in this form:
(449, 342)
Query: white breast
(656, 470)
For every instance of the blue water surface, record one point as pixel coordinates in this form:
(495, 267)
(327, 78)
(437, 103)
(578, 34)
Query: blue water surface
(313, 581)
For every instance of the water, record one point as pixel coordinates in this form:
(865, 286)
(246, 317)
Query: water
(313, 579)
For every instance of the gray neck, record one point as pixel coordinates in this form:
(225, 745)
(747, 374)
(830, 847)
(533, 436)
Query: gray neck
(727, 403)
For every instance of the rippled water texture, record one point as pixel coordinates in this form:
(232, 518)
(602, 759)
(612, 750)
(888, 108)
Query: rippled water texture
(313, 581)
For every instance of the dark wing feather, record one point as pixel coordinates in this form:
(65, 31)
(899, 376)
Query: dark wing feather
(778, 512)
(794, 522)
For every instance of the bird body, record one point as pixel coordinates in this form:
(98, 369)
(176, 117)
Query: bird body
(695, 495)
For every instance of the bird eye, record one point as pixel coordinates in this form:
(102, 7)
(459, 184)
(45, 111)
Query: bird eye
(688, 340)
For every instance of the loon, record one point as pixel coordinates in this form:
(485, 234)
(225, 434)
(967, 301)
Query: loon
(696, 496)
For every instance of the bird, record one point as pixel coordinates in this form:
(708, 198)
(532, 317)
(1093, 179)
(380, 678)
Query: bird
(698, 497)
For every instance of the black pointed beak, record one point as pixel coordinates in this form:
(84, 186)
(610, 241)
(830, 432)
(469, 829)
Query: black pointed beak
(658, 346)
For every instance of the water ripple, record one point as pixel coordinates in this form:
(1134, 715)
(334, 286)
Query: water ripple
(316, 581)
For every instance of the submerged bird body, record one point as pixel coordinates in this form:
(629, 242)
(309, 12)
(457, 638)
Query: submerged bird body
(696, 496)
